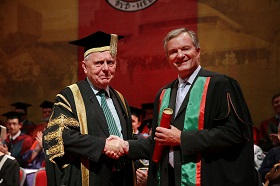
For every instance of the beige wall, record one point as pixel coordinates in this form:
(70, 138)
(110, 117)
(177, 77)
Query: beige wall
(36, 60)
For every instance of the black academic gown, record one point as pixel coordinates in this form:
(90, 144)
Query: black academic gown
(225, 143)
(9, 173)
(67, 167)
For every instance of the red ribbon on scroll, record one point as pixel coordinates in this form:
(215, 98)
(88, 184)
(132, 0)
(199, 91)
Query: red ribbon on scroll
(164, 122)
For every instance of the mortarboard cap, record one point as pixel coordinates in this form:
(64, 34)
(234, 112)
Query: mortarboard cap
(146, 106)
(12, 115)
(99, 42)
(136, 111)
(21, 105)
(46, 104)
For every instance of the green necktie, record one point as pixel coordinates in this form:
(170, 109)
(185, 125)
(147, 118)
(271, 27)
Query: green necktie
(113, 130)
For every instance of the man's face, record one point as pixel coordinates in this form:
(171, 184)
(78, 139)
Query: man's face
(14, 126)
(46, 112)
(276, 105)
(100, 68)
(135, 123)
(183, 55)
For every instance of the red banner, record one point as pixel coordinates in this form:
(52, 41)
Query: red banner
(142, 66)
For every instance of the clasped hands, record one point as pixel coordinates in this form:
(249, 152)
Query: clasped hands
(115, 147)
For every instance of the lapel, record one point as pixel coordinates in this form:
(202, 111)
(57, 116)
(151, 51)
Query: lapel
(172, 103)
(121, 112)
(94, 111)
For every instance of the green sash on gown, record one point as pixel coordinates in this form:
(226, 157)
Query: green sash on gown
(194, 120)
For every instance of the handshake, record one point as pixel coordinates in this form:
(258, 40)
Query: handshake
(115, 147)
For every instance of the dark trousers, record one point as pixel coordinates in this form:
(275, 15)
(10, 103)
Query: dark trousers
(171, 175)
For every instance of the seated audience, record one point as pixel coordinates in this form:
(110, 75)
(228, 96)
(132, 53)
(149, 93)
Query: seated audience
(46, 113)
(35, 156)
(27, 126)
(16, 143)
(9, 170)
(258, 156)
(268, 128)
(258, 152)
(141, 165)
(136, 116)
(8, 165)
(272, 157)
(147, 118)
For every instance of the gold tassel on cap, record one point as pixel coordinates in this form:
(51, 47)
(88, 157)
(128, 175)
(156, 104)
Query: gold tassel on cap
(114, 45)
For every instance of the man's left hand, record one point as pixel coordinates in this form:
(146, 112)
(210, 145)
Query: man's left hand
(168, 137)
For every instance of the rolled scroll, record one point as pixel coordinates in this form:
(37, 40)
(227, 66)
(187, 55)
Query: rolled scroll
(165, 123)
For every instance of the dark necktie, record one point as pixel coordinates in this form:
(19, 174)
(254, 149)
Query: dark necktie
(10, 145)
(113, 130)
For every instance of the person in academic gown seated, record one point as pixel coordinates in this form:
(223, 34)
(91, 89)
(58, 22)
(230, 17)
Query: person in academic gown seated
(9, 170)
(136, 116)
(35, 156)
(147, 118)
(269, 127)
(46, 113)
(27, 126)
(141, 175)
(8, 165)
(82, 142)
(210, 140)
(16, 143)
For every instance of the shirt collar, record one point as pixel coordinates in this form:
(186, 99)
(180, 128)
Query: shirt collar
(96, 90)
(17, 135)
(189, 79)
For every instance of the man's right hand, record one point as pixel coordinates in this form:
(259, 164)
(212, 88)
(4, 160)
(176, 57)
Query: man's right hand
(115, 147)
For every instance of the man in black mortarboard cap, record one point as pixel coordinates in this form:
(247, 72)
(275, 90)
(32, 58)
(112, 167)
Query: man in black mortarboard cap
(46, 110)
(46, 113)
(84, 115)
(21, 107)
(16, 142)
(27, 126)
(148, 109)
(12, 115)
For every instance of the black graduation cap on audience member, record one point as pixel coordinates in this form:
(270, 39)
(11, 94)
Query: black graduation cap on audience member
(146, 106)
(99, 42)
(21, 105)
(46, 104)
(136, 111)
(13, 115)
